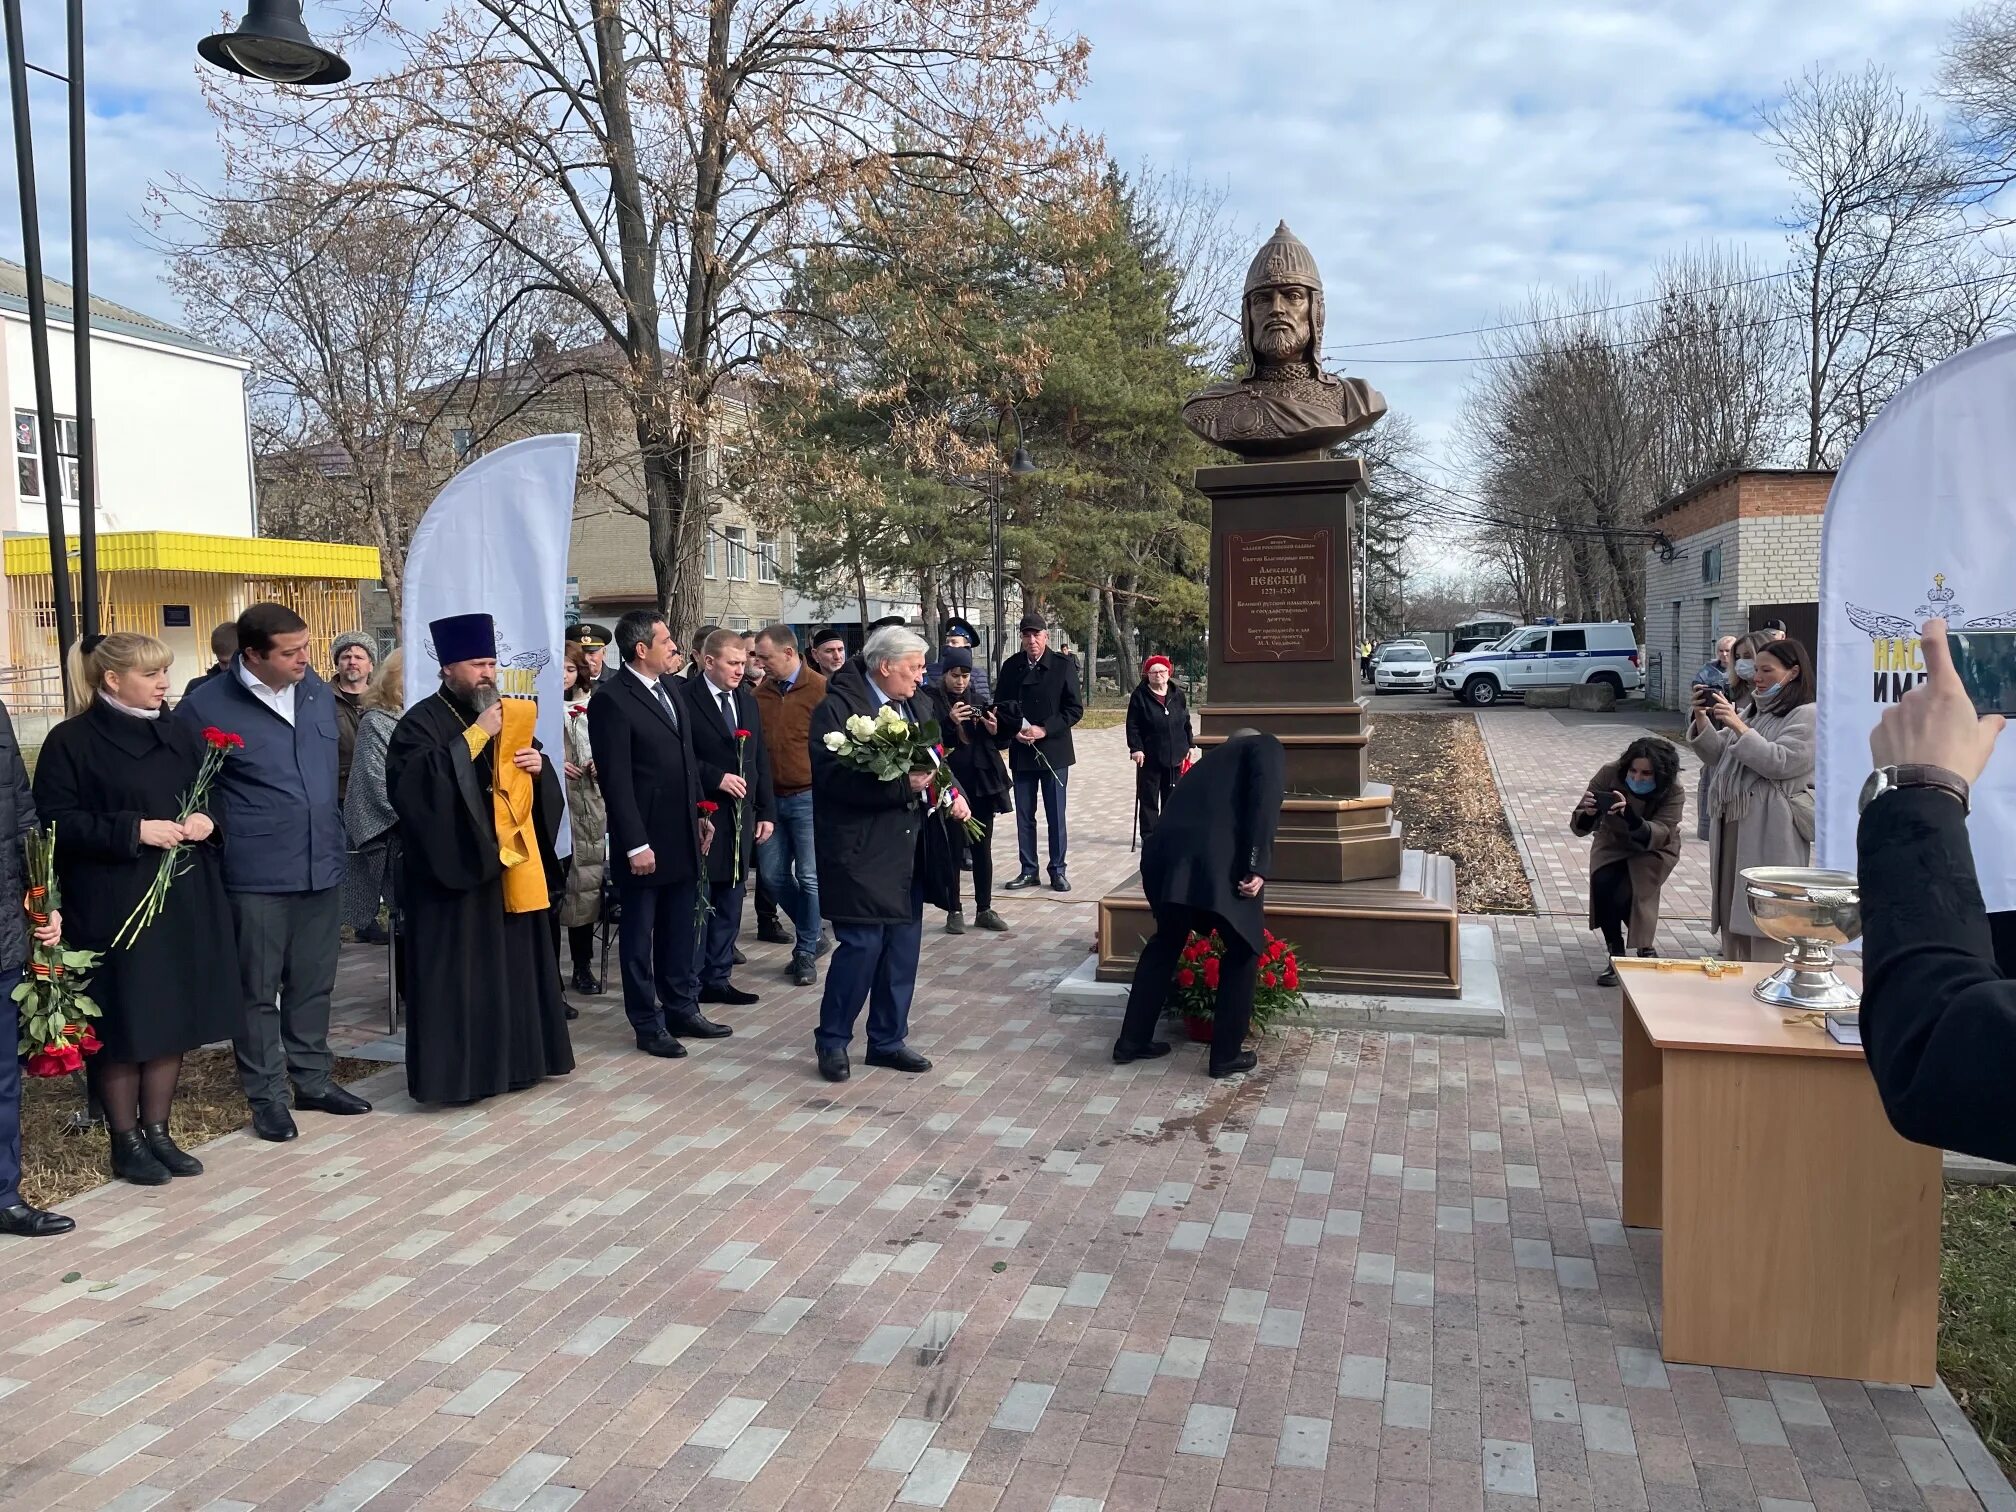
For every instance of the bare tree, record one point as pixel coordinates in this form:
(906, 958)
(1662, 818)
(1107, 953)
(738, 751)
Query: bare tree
(661, 167)
(1878, 190)
(1978, 79)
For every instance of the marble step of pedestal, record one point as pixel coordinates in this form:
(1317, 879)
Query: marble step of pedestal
(1479, 1011)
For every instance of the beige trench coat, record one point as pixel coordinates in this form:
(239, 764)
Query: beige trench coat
(1771, 767)
(588, 816)
(1649, 866)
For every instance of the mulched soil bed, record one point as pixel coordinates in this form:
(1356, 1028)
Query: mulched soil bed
(57, 1163)
(1444, 794)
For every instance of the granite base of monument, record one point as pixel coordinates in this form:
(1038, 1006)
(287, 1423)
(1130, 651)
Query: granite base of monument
(1480, 1010)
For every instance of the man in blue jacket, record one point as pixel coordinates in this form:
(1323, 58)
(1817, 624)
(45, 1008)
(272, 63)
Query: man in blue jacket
(284, 851)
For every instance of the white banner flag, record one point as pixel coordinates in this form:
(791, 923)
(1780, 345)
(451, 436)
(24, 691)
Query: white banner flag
(494, 541)
(1919, 526)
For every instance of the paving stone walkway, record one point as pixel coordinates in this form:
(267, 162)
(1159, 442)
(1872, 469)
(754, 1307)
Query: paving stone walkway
(1382, 1272)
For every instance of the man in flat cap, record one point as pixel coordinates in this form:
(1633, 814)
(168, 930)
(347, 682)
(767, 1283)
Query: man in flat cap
(479, 808)
(1036, 694)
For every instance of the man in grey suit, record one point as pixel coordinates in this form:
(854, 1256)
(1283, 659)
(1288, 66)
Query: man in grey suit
(284, 854)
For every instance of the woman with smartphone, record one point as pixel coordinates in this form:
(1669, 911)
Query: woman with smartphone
(1633, 810)
(1759, 757)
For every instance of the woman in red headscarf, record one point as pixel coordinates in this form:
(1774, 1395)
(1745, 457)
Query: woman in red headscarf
(1158, 738)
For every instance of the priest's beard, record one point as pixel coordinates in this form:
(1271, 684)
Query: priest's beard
(481, 696)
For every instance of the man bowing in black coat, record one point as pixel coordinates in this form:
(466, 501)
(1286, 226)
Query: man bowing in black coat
(651, 786)
(868, 836)
(735, 773)
(1203, 869)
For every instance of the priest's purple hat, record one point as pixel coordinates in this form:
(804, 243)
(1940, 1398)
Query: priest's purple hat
(464, 637)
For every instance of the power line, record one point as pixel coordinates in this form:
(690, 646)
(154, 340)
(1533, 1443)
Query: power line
(1523, 520)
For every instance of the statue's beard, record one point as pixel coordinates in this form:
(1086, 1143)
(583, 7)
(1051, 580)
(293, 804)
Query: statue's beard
(1274, 346)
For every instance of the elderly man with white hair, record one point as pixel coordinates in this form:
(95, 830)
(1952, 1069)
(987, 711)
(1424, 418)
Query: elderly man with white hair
(868, 836)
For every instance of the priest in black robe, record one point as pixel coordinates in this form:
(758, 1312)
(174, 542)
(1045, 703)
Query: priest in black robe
(1205, 868)
(484, 1010)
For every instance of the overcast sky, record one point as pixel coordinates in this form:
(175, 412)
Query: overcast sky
(1442, 158)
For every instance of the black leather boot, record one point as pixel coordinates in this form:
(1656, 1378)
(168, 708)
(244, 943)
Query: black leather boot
(164, 1149)
(133, 1161)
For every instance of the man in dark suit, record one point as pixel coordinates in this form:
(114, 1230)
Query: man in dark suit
(869, 841)
(1204, 869)
(1037, 693)
(657, 837)
(735, 773)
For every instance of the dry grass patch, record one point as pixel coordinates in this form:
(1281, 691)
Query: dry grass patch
(1445, 795)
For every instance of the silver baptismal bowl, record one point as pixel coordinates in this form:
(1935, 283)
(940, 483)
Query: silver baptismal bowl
(1813, 912)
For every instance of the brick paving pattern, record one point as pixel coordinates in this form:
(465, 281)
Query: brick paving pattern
(1382, 1272)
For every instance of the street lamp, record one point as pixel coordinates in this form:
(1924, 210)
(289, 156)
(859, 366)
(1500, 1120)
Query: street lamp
(1020, 465)
(273, 44)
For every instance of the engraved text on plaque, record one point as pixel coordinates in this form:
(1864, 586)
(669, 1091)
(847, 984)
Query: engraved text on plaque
(1277, 596)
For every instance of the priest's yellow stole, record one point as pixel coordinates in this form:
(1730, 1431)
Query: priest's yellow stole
(517, 837)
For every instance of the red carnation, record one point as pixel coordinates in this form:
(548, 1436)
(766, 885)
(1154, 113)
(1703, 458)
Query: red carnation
(87, 1042)
(1269, 979)
(1211, 973)
(741, 734)
(1293, 977)
(1186, 978)
(706, 806)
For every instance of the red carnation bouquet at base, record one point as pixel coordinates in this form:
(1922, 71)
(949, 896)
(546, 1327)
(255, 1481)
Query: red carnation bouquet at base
(217, 744)
(1277, 991)
(56, 1012)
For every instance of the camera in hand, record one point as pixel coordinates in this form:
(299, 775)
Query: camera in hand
(1986, 662)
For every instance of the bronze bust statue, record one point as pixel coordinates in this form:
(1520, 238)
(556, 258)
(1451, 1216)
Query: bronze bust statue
(1287, 408)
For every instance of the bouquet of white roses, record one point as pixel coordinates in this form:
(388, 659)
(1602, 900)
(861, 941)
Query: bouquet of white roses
(888, 746)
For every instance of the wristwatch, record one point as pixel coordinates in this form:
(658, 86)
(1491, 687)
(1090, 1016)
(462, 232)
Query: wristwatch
(1889, 779)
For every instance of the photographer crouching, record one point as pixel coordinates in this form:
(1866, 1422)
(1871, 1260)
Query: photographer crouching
(1938, 1016)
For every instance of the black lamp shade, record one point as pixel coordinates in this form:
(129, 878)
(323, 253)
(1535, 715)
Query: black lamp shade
(1022, 464)
(271, 43)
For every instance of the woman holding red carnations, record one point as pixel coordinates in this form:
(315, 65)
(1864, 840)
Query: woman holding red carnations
(113, 780)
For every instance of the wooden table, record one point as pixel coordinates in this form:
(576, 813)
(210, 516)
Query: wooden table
(1801, 1233)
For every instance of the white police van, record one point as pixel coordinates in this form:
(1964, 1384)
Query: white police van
(1541, 656)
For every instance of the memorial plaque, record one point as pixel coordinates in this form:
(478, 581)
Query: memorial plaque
(1277, 596)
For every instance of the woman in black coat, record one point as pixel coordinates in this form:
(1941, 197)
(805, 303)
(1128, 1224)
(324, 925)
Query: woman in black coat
(973, 741)
(1158, 738)
(111, 780)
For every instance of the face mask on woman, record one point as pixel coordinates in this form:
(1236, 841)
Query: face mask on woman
(1642, 786)
(1766, 696)
(1746, 669)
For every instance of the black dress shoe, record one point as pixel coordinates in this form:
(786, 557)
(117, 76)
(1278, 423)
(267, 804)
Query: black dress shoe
(1607, 977)
(331, 1099)
(694, 1026)
(803, 972)
(833, 1065)
(25, 1222)
(740, 959)
(729, 994)
(661, 1045)
(904, 1059)
(585, 981)
(164, 1149)
(1125, 1054)
(1245, 1060)
(770, 932)
(1060, 883)
(1027, 879)
(276, 1124)
(133, 1161)
(573, 1012)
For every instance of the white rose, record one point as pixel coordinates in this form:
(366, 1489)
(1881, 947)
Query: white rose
(836, 741)
(861, 727)
(898, 727)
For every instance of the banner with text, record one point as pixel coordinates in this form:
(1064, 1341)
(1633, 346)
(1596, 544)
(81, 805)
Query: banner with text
(494, 541)
(1918, 527)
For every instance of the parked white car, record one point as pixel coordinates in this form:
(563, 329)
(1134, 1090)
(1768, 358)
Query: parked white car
(1404, 667)
(1546, 656)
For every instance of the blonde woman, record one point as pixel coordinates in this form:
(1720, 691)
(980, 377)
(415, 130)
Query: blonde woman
(111, 779)
(367, 810)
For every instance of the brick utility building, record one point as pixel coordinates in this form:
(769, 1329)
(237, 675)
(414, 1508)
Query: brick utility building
(1744, 548)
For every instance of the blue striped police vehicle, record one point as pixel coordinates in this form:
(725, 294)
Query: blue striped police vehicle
(1540, 656)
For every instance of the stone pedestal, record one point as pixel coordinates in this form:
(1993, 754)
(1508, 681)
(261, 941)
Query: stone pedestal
(1366, 913)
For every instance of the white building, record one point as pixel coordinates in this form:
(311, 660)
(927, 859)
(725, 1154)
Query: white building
(173, 441)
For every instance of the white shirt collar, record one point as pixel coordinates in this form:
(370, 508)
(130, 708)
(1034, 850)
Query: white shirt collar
(649, 682)
(714, 689)
(281, 703)
(129, 709)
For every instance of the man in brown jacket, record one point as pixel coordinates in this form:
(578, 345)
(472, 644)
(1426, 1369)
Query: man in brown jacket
(785, 701)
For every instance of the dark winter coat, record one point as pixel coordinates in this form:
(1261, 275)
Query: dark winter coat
(1938, 1016)
(176, 986)
(1159, 728)
(277, 797)
(1217, 830)
(867, 833)
(973, 754)
(1046, 694)
(1646, 837)
(17, 818)
(714, 749)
